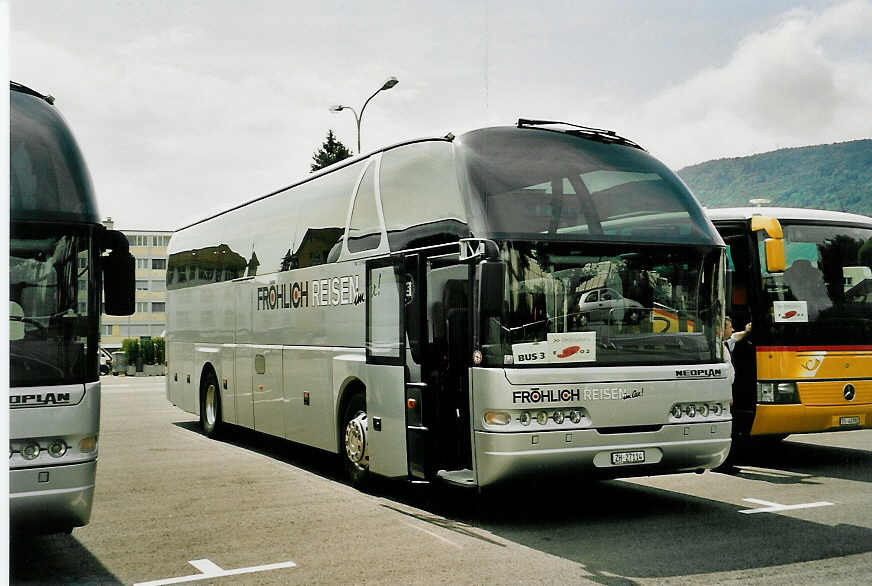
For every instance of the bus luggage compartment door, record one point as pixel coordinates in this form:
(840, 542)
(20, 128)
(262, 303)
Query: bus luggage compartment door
(385, 368)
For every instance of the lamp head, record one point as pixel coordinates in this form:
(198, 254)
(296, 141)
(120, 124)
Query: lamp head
(336, 108)
(389, 83)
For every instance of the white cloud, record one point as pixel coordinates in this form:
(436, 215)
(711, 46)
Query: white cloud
(786, 86)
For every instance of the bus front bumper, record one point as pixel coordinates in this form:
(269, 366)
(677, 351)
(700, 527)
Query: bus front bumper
(787, 419)
(51, 498)
(671, 449)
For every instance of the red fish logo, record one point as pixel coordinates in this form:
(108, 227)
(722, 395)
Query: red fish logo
(788, 315)
(568, 351)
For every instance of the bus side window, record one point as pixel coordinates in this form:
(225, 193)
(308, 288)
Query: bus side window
(364, 229)
(420, 196)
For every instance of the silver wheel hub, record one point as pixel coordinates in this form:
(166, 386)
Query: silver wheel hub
(211, 407)
(356, 448)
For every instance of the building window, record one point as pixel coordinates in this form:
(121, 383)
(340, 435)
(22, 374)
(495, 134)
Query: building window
(159, 264)
(141, 306)
(107, 329)
(142, 263)
(141, 285)
(158, 286)
(134, 331)
(158, 307)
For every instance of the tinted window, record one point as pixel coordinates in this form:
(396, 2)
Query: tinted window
(48, 179)
(295, 227)
(52, 333)
(553, 185)
(323, 209)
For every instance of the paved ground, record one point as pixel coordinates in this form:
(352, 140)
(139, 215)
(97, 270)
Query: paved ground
(171, 503)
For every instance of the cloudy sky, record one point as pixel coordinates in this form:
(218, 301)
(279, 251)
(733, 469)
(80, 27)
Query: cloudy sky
(184, 108)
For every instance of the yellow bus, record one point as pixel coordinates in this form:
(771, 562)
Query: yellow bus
(803, 278)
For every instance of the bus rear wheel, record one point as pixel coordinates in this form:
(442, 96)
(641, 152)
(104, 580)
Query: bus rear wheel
(355, 449)
(210, 406)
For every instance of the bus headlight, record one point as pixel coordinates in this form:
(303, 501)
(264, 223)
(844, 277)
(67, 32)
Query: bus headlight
(786, 393)
(57, 448)
(765, 392)
(558, 417)
(703, 410)
(30, 451)
(525, 418)
(541, 417)
(88, 444)
(690, 410)
(497, 418)
(676, 411)
(777, 392)
(575, 416)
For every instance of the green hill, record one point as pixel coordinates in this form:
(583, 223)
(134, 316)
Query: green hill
(831, 177)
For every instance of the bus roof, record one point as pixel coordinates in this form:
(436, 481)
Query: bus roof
(48, 179)
(745, 213)
(594, 134)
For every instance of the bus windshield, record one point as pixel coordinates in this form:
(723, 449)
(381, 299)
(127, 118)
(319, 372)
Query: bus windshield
(827, 285)
(49, 305)
(527, 183)
(622, 304)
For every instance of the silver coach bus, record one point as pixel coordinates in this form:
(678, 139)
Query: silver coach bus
(57, 271)
(509, 302)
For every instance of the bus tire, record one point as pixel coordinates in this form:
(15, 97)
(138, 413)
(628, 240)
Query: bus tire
(210, 406)
(355, 450)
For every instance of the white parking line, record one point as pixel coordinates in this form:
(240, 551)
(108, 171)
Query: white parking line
(777, 508)
(211, 570)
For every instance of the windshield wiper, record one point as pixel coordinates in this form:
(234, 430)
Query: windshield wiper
(600, 134)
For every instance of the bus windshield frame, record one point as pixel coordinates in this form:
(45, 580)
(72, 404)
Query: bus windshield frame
(54, 307)
(612, 305)
(821, 258)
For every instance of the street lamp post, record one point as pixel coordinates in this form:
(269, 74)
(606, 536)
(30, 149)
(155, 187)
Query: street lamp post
(388, 84)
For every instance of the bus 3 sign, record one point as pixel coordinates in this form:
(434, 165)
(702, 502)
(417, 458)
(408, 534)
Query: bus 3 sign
(557, 348)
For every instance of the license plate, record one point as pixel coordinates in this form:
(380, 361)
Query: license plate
(845, 421)
(619, 458)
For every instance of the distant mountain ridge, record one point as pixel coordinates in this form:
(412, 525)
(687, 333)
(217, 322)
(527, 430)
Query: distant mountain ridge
(831, 177)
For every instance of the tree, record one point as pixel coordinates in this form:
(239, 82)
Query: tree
(332, 151)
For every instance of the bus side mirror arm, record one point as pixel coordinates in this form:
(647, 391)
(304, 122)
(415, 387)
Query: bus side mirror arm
(472, 249)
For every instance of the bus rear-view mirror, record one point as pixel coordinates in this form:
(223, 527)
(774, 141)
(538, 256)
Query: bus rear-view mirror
(775, 261)
(490, 289)
(119, 270)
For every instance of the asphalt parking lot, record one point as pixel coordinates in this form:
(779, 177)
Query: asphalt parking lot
(173, 507)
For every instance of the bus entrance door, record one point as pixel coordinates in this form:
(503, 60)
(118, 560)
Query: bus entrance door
(443, 363)
(385, 367)
(417, 342)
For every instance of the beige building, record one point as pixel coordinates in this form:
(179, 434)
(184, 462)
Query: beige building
(149, 247)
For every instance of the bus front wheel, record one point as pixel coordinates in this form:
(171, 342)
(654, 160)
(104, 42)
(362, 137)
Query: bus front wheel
(210, 406)
(355, 448)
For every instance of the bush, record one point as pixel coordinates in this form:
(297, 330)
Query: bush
(130, 347)
(147, 346)
(159, 350)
